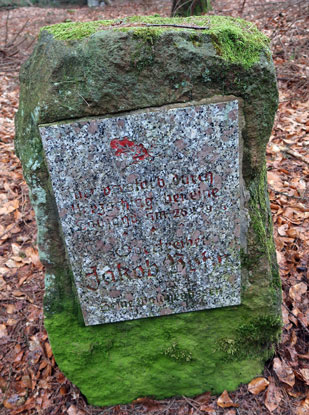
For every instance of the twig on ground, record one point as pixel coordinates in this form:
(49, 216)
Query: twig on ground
(17, 34)
(294, 154)
(166, 410)
(192, 403)
(303, 199)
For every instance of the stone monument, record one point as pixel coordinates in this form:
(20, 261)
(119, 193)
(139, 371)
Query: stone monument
(143, 144)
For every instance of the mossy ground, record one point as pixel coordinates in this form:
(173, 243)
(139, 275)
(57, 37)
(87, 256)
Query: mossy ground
(235, 40)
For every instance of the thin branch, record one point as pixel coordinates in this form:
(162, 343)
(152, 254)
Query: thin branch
(294, 154)
(303, 199)
(166, 410)
(192, 403)
(181, 26)
(17, 34)
(17, 44)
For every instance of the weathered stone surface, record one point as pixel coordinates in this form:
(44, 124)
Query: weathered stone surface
(100, 69)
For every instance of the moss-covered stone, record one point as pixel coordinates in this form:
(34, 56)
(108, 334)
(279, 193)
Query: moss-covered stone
(97, 68)
(236, 40)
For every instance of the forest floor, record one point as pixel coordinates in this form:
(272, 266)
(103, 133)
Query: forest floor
(30, 381)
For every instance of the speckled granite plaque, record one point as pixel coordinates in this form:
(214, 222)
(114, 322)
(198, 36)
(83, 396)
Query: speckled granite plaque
(149, 204)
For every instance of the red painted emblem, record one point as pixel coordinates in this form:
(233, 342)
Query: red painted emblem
(126, 146)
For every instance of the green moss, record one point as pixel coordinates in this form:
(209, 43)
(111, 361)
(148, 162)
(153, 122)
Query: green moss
(119, 362)
(235, 40)
(262, 331)
(178, 353)
(251, 337)
(229, 347)
(144, 56)
(75, 30)
(247, 261)
(263, 251)
(276, 281)
(260, 216)
(148, 35)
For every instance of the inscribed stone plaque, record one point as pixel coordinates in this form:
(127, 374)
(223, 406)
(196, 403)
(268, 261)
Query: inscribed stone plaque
(149, 204)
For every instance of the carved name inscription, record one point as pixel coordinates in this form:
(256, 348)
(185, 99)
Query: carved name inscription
(149, 204)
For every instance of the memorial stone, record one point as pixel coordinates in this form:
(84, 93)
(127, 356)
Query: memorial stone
(143, 144)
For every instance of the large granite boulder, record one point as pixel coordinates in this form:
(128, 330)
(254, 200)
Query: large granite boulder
(83, 72)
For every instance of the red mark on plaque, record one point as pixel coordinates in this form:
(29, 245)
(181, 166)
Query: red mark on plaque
(125, 146)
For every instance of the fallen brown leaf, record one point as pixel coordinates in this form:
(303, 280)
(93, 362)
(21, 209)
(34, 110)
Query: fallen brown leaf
(224, 401)
(208, 409)
(273, 397)
(9, 207)
(19, 356)
(48, 350)
(73, 410)
(63, 390)
(297, 291)
(303, 407)
(305, 375)
(15, 248)
(204, 398)
(14, 401)
(293, 339)
(3, 330)
(11, 263)
(147, 402)
(281, 259)
(282, 230)
(18, 293)
(257, 385)
(2, 282)
(10, 308)
(33, 255)
(11, 322)
(293, 356)
(60, 377)
(284, 372)
(26, 381)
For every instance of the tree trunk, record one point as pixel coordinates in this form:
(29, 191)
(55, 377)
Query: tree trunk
(190, 7)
